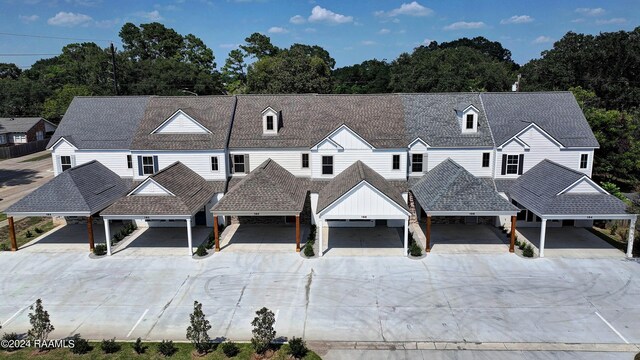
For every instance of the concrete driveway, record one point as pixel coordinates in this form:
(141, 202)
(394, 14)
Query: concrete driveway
(467, 239)
(462, 298)
(18, 178)
(571, 242)
(260, 238)
(371, 241)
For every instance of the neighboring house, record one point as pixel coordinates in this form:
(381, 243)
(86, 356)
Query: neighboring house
(342, 160)
(16, 131)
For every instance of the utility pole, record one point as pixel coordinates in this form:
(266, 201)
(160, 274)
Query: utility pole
(113, 63)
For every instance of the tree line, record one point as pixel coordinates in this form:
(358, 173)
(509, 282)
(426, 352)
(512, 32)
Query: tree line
(602, 70)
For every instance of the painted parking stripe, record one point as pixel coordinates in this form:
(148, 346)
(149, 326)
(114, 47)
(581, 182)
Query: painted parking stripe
(612, 328)
(138, 322)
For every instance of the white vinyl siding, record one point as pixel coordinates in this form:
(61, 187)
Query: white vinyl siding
(198, 161)
(151, 188)
(364, 202)
(470, 159)
(583, 187)
(180, 123)
(378, 160)
(114, 160)
(288, 159)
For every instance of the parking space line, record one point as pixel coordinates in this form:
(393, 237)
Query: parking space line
(138, 322)
(612, 328)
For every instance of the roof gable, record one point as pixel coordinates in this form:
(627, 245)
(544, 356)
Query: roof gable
(181, 123)
(63, 141)
(527, 130)
(345, 138)
(18, 124)
(583, 185)
(351, 201)
(150, 187)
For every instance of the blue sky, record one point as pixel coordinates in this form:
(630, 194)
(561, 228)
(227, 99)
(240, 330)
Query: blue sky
(351, 30)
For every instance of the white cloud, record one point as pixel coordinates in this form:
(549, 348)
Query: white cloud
(462, 25)
(384, 31)
(298, 19)
(105, 24)
(542, 39)
(277, 30)
(580, 20)
(410, 9)
(151, 15)
(310, 30)
(69, 19)
(611, 21)
(590, 11)
(319, 14)
(29, 18)
(517, 19)
(368, 42)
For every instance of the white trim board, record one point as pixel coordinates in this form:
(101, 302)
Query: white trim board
(173, 116)
(354, 189)
(341, 127)
(526, 129)
(144, 183)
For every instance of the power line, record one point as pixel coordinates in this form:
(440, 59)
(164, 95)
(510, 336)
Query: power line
(55, 37)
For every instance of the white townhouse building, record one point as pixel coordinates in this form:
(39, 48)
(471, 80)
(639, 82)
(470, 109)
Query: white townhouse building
(513, 159)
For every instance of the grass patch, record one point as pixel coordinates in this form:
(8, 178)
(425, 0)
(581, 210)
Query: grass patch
(3, 216)
(127, 351)
(37, 158)
(24, 228)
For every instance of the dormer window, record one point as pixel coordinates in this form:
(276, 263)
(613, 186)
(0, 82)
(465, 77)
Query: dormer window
(470, 122)
(468, 118)
(270, 122)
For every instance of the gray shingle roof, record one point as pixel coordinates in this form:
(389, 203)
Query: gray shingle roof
(351, 177)
(17, 125)
(537, 188)
(309, 118)
(86, 188)
(449, 187)
(557, 113)
(101, 122)
(212, 112)
(432, 118)
(268, 188)
(191, 192)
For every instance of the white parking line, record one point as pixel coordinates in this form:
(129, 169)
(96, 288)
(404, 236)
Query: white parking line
(14, 315)
(612, 328)
(138, 322)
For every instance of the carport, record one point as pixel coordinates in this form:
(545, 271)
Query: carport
(450, 190)
(82, 191)
(268, 191)
(360, 194)
(176, 193)
(554, 192)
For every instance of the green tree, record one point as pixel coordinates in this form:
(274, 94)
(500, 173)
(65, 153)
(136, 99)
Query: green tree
(56, 105)
(234, 73)
(369, 77)
(263, 331)
(9, 71)
(40, 324)
(259, 46)
(197, 331)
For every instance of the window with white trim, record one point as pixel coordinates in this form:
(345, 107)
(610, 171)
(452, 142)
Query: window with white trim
(129, 162)
(238, 164)
(470, 121)
(416, 163)
(305, 161)
(214, 163)
(512, 164)
(147, 165)
(269, 122)
(327, 165)
(584, 161)
(486, 159)
(395, 162)
(65, 163)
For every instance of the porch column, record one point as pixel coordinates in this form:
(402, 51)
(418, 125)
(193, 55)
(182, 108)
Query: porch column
(428, 234)
(107, 235)
(320, 231)
(12, 234)
(512, 245)
(298, 233)
(406, 236)
(632, 230)
(543, 232)
(189, 239)
(215, 233)
(90, 230)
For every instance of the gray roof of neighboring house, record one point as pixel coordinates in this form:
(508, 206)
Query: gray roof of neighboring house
(309, 118)
(18, 124)
(101, 122)
(350, 178)
(449, 187)
(191, 192)
(503, 185)
(268, 188)
(212, 112)
(432, 117)
(86, 188)
(557, 113)
(537, 190)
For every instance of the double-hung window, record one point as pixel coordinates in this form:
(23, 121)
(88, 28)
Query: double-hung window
(395, 162)
(486, 157)
(214, 163)
(305, 161)
(469, 121)
(584, 161)
(416, 163)
(65, 162)
(270, 122)
(129, 162)
(238, 164)
(147, 165)
(512, 164)
(327, 165)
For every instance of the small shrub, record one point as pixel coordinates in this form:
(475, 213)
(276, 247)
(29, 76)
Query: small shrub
(109, 346)
(263, 331)
(308, 250)
(100, 249)
(201, 251)
(38, 230)
(28, 234)
(166, 348)
(298, 348)
(4, 247)
(528, 251)
(415, 250)
(613, 229)
(11, 337)
(522, 245)
(230, 349)
(40, 324)
(138, 347)
(117, 237)
(80, 345)
(197, 331)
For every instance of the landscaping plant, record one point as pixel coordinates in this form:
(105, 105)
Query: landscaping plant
(297, 348)
(230, 349)
(414, 249)
(263, 331)
(100, 249)
(109, 346)
(28, 234)
(528, 251)
(522, 245)
(38, 230)
(308, 249)
(138, 347)
(80, 345)
(10, 338)
(166, 348)
(40, 324)
(197, 331)
(201, 251)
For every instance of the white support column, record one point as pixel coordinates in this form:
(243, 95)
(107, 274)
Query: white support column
(406, 236)
(632, 234)
(189, 239)
(107, 235)
(543, 233)
(320, 234)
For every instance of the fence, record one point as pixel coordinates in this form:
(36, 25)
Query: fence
(13, 151)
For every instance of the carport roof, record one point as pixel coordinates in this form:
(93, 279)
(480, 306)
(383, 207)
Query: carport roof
(450, 189)
(541, 190)
(80, 191)
(268, 190)
(189, 193)
(350, 178)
